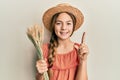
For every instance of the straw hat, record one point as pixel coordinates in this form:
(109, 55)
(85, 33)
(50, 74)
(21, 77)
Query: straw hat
(63, 8)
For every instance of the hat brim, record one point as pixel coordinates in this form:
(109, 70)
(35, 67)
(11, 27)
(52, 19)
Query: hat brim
(52, 11)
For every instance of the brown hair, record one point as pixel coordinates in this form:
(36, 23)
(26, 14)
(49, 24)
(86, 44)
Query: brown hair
(53, 40)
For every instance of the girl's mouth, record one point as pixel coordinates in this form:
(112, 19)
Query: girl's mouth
(63, 33)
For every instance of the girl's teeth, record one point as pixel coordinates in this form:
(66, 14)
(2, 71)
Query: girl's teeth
(63, 33)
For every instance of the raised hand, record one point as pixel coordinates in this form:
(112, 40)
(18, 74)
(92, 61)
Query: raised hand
(83, 48)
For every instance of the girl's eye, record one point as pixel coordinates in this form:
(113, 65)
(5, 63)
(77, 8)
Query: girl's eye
(57, 23)
(69, 23)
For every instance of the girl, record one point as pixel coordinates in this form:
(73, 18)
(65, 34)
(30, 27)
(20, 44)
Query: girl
(64, 59)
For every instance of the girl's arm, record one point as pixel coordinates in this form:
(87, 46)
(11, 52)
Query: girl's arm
(41, 66)
(82, 67)
(39, 76)
(82, 71)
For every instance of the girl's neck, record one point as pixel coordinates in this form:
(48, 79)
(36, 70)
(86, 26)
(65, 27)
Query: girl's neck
(64, 46)
(64, 43)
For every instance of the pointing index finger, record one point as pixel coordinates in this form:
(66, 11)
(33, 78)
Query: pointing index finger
(83, 37)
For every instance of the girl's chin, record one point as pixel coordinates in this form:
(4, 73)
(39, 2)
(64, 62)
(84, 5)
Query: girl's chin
(64, 37)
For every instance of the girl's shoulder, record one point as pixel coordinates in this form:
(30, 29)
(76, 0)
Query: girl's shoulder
(45, 45)
(76, 45)
(45, 49)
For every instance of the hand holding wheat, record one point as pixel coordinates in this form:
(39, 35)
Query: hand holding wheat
(35, 34)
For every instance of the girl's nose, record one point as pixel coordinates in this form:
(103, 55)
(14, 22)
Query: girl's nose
(64, 26)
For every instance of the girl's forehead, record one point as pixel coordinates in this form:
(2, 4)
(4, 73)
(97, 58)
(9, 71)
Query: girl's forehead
(64, 16)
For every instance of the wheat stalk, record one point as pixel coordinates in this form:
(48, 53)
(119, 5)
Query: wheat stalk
(35, 34)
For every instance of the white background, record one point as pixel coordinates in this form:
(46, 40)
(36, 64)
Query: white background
(102, 25)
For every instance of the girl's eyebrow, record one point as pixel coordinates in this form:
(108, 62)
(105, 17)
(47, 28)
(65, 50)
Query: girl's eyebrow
(58, 21)
(69, 21)
(61, 21)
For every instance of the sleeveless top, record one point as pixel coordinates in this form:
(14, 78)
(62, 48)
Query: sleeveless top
(64, 65)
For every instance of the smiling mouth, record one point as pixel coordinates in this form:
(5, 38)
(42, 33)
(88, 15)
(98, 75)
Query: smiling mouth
(63, 33)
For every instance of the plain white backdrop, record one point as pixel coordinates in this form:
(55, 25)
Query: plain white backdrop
(102, 25)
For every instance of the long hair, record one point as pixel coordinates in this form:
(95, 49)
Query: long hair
(54, 39)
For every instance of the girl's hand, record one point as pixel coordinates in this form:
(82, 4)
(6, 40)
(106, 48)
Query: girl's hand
(83, 49)
(41, 66)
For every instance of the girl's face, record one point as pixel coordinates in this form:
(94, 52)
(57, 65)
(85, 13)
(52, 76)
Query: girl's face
(63, 26)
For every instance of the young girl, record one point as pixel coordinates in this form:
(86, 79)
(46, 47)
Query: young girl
(64, 59)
